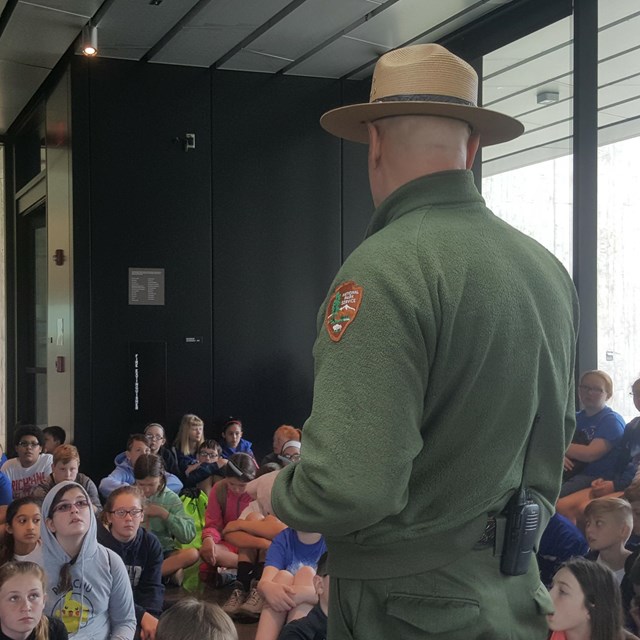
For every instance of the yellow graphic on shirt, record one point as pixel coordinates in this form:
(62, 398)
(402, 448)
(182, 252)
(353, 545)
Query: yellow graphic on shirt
(73, 614)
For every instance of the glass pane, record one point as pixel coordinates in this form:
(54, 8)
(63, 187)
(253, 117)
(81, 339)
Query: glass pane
(31, 314)
(618, 207)
(29, 151)
(529, 181)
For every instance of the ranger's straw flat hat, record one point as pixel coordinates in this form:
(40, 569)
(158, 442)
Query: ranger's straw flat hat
(423, 79)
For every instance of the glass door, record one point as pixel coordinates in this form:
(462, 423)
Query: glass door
(31, 315)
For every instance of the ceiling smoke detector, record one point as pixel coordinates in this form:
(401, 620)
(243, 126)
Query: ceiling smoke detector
(547, 97)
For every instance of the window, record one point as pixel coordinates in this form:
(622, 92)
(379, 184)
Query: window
(618, 205)
(529, 181)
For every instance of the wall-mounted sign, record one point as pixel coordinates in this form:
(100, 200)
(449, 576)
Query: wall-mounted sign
(146, 286)
(148, 367)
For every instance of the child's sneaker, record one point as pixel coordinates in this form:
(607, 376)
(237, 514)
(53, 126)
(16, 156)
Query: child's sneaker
(225, 577)
(175, 579)
(253, 604)
(232, 606)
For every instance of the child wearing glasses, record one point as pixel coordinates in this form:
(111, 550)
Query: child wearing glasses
(627, 453)
(66, 462)
(164, 515)
(283, 434)
(140, 551)
(591, 454)
(208, 469)
(31, 467)
(88, 587)
(157, 439)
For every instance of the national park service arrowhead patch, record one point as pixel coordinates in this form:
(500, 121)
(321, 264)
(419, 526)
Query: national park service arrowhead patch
(342, 309)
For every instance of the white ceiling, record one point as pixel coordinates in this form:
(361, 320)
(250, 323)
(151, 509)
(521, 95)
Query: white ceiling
(334, 39)
(515, 74)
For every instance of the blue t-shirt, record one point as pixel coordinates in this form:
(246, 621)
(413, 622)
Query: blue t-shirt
(608, 425)
(287, 552)
(6, 495)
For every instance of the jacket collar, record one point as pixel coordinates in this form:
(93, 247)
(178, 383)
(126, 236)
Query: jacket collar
(443, 188)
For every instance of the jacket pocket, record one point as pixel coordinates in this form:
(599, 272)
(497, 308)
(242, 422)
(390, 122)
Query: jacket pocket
(433, 614)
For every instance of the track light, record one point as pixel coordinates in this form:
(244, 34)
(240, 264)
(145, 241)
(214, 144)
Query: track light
(89, 43)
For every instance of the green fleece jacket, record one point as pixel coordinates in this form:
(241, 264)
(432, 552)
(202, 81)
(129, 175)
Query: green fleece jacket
(179, 528)
(422, 409)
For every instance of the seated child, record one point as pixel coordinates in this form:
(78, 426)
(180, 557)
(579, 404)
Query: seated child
(632, 612)
(191, 619)
(6, 496)
(208, 469)
(31, 467)
(586, 602)
(252, 534)
(627, 458)
(190, 436)
(88, 587)
(140, 551)
(66, 462)
(592, 455)
(123, 473)
(22, 537)
(164, 515)
(53, 437)
(284, 433)
(609, 522)
(156, 439)
(314, 625)
(561, 540)
(22, 593)
(227, 500)
(287, 580)
(232, 440)
(632, 495)
(290, 452)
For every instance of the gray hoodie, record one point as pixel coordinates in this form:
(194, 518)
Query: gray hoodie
(99, 605)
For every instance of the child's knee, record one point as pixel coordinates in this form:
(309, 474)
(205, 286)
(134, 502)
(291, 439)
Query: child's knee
(284, 577)
(254, 516)
(304, 575)
(192, 555)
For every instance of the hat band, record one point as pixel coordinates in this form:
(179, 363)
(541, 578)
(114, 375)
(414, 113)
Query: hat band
(424, 97)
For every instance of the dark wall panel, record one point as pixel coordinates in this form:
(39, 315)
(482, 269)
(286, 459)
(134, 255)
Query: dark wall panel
(276, 242)
(357, 206)
(150, 206)
(249, 228)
